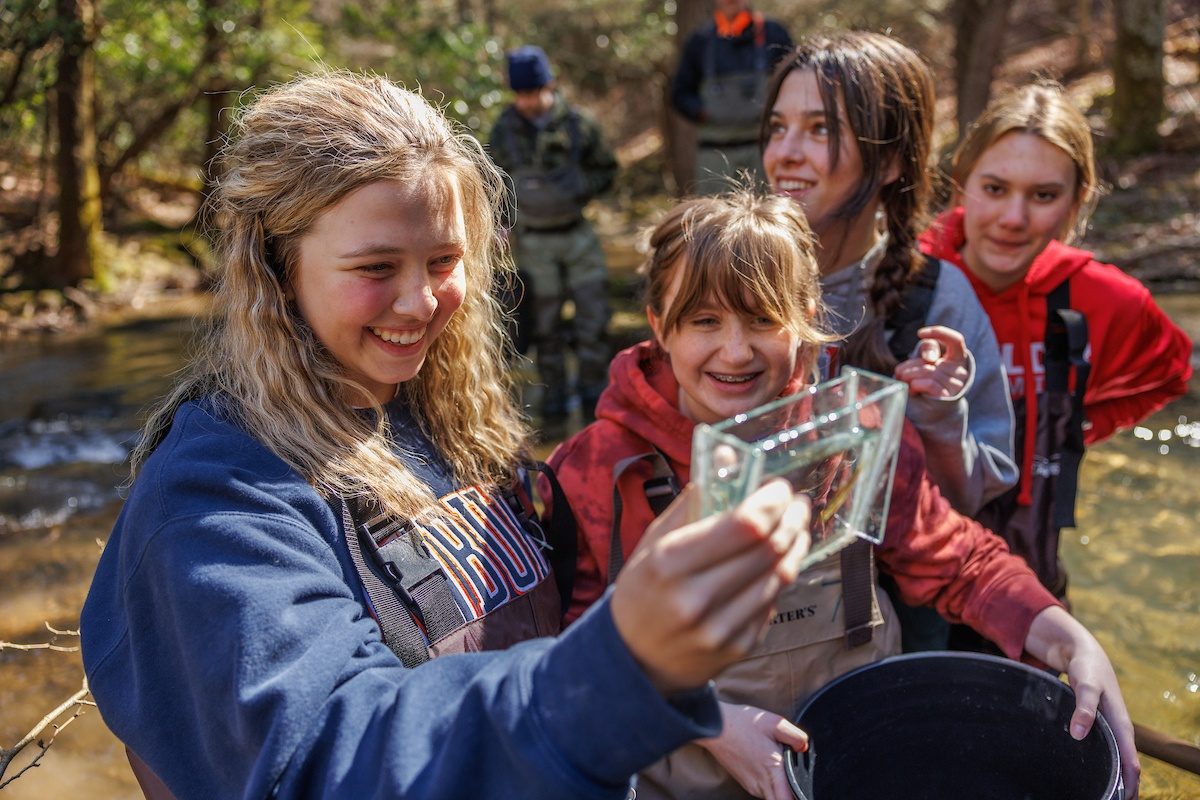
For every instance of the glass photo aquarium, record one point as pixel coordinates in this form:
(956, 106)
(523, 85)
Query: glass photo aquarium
(836, 442)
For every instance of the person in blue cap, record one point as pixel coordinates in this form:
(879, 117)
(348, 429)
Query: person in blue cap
(557, 161)
(720, 85)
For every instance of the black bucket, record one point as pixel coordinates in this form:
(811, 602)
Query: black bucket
(950, 726)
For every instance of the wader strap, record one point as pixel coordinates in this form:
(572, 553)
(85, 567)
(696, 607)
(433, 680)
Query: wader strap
(1066, 345)
(408, 566)
(561, 540)
(400, 630)
(909, 317)
(660, 490)
(857, 591)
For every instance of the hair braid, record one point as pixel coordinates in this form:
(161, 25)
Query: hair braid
(887, 93)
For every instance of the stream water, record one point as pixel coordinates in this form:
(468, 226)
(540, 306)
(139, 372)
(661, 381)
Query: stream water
(68, 417)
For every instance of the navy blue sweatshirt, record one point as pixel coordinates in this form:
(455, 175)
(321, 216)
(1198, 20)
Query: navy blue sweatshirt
(226, 641)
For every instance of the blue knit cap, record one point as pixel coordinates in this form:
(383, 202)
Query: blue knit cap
(528, 68)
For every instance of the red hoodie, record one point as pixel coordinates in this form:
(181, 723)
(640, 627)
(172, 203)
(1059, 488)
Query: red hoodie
(937, 556)
(1139, 359)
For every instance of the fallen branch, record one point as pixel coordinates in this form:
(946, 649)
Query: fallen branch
(76, 703)
(38, 646)
(44, 645)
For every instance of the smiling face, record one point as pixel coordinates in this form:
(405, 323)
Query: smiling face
(379, 275)
(1019, 196)
(799, 163)
(726, 362)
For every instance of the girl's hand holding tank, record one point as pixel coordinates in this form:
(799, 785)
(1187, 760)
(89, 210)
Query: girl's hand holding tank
(1064, 644)
(749, 748)
(942, 366)
(695, 596)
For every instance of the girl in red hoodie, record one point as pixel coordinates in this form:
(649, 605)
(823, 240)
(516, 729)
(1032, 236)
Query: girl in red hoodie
(732, 297)
(1087, 350)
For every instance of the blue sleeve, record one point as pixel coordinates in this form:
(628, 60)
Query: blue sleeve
(685, 88)
(228, 650)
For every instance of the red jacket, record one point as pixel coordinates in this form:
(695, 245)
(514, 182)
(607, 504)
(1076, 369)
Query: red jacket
(937, 556)
(1139, 359)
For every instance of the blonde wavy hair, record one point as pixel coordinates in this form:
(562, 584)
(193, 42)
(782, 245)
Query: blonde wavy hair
(1041, 108)
(295, 151)
(755, 254)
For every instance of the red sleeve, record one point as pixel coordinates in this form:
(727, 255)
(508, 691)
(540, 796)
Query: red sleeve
(1140, 361)
(584, 467)
(943, 559)
(589, 583)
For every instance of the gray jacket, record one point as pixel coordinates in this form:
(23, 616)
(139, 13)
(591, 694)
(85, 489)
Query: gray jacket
(968, 438)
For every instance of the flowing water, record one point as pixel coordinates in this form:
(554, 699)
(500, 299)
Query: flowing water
(67, 421)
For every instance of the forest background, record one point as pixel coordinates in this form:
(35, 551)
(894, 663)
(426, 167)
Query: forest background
(111, 110)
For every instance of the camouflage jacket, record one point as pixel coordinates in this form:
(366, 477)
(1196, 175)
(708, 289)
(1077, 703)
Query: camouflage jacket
(570, 138)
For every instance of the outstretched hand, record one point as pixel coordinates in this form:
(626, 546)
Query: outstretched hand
(942, 366)
(750, 749)
(1063, 643)
(696, 596)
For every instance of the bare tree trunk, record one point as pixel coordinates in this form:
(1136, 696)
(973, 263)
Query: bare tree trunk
(1085, 55)
(979, 28)
(78, 176)
(679, 134)
(214, 100)
(1137, 75)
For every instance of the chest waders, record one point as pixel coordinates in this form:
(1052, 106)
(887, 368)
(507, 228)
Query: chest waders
(1032, 531)
(410, 591)
(825, 625)
(549, 195)
(733, 101)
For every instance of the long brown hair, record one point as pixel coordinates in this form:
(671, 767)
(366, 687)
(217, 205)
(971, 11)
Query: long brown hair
(888, 95)
(295, 152)
(1043, 109)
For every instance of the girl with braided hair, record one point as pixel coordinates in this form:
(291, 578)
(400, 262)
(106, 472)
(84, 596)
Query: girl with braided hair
(847, 136)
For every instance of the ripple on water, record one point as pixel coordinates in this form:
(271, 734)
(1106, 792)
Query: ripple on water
(39, 499)
(1134, 562)
(38, 443)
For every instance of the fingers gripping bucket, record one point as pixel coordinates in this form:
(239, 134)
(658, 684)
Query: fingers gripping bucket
(944, 726)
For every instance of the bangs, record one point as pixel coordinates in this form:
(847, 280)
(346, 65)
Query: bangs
(750, 269)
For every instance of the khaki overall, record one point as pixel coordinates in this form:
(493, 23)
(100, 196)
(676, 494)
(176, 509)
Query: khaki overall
(804, 649)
